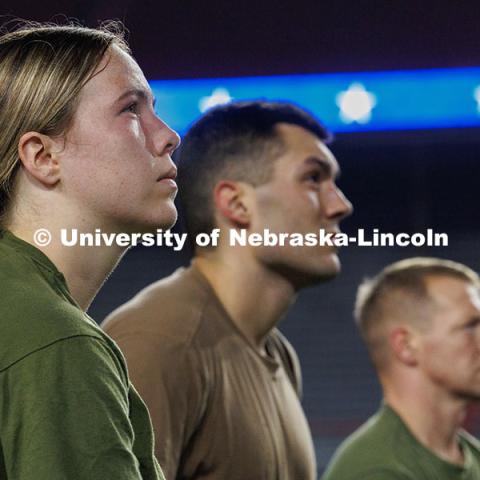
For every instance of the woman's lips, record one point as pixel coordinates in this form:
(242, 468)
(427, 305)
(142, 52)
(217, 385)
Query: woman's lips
(168, 181)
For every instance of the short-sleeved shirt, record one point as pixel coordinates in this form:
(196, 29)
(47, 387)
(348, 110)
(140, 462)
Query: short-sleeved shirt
(385, 449)
(221, 410)
(67, 408)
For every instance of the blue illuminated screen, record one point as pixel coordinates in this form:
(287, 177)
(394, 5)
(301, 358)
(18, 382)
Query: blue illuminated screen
(344, 102)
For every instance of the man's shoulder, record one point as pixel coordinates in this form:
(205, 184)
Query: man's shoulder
(370, 448)
(171, 308)
(371, 434)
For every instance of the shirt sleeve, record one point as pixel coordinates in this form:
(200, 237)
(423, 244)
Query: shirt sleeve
(171, 380)
(65, 414)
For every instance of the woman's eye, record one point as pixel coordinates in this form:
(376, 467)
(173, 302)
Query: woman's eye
(132, 108)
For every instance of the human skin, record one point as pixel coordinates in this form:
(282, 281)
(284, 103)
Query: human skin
(111, 170)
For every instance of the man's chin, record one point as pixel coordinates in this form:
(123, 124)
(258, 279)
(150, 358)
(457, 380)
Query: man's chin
(314, 274)
(331, 266)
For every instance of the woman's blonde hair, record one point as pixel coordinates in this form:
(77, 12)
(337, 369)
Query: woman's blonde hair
(43, 68)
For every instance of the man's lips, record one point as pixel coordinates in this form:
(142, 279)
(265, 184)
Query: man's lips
(333, 231)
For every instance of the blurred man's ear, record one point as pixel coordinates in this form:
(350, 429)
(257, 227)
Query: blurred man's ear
(37, 154)
(403, 343)
(232, 202)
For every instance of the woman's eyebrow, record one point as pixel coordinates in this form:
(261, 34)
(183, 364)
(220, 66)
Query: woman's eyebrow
(139, 93)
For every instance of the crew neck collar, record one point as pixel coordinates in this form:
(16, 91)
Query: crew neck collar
(270, 358)
(436, 459)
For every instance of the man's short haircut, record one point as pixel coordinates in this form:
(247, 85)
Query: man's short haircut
(237, 141)
(400, 291)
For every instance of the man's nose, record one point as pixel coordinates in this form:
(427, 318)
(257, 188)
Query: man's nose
(338, 205)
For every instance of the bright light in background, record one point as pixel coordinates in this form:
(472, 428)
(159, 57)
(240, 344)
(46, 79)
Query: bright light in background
(476, 95)
(356, 104)
(344, 102)
(219, 96)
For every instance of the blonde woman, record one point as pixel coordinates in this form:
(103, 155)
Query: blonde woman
(81, 147)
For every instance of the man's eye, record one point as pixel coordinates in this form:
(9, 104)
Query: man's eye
(314, 177)
(473, 324)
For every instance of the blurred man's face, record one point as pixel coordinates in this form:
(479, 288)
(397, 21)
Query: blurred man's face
(301, 197)
(450, 347)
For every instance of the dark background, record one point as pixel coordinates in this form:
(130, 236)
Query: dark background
(191, 38)
(398, 181)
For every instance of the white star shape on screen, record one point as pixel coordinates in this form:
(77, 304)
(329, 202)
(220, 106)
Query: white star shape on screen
(218, 97)
(356, 104)
(476, 95)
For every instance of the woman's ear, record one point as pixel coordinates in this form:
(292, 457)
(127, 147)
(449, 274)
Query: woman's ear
(38, 156)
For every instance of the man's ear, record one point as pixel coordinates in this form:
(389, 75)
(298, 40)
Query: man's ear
(37, 154)
(404, 345)
(231, 201)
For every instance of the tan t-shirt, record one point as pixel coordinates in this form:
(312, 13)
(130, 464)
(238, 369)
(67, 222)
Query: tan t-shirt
(220, 409)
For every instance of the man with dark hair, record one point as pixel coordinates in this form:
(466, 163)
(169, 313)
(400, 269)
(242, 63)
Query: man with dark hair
(221, 382)
(420, 319)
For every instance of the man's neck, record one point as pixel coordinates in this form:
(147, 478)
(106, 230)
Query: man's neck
(433, 418)
(256, 299)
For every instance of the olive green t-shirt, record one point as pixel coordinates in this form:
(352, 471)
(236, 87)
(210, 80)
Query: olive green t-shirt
(384, 449)
(67, 408)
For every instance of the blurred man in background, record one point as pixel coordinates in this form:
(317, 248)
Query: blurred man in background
(222, 384)
(420, 319)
